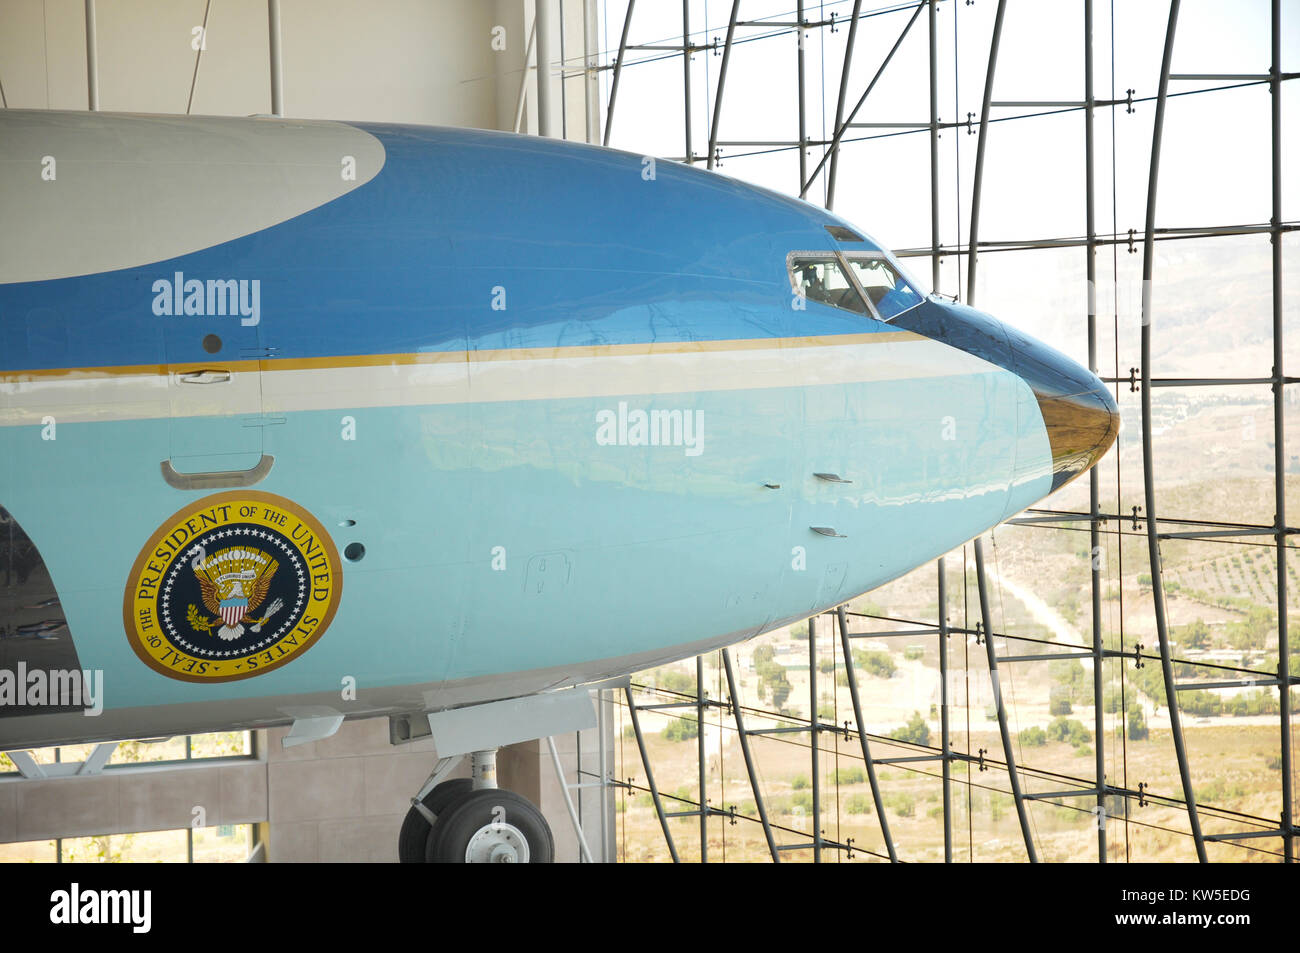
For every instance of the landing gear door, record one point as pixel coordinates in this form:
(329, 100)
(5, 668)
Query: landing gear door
(214, 355)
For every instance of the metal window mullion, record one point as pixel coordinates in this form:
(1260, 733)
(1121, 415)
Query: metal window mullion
(686, 78)
(839, 106)
(851, 673)
(945, 732)
(857, 285)
(814, 721)
(649, 773)
(699, 751)
(1094, 480)
(1148, 466)
(722, 82)
(618, 72)
(934, 158)
(803, 147)
(979, 543)
(832, 154)
(978, 187)
(1279, 418)
(1003, 728)
(749, 757)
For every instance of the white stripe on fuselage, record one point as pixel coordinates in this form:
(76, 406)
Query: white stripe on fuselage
(458, 377)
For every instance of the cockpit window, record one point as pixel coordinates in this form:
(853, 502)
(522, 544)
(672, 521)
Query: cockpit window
(865, 282)
(885, 288)
(823, 279)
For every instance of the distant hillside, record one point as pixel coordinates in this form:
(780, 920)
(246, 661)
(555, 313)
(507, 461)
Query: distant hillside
(1212, 302)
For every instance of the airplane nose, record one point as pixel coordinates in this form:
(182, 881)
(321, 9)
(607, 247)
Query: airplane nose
(1079, 413)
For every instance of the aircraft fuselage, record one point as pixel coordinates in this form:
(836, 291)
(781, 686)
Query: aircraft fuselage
(438, 416)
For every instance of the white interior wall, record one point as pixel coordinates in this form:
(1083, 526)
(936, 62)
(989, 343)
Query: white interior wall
(417, 61)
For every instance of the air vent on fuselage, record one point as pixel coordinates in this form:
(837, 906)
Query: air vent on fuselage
(842, 234)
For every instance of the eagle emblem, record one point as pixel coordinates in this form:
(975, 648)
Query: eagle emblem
(231, 586)
(233, 583)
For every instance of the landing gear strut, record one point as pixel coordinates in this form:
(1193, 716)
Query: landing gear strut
(472, 821)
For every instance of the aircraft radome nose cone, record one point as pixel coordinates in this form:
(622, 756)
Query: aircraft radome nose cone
(1081, 416)
(1081, 427)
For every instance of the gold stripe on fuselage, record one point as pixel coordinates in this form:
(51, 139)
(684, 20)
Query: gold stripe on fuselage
(456, 357)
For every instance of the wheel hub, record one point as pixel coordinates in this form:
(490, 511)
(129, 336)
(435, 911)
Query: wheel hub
(497, 843)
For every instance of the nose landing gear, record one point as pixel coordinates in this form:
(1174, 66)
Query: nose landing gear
(472, 821)
(490, 826)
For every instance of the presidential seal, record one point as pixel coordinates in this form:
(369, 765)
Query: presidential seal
(232, 586)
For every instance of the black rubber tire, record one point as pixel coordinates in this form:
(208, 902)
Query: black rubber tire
(413, 841)
(471, 812)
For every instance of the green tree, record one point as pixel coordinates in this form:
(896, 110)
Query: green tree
(1243, 636)
(1069, 730)
(879, 664)
(1111, 698)
(1033, 737)
(1194, 635)
(1137, 723)
(1261, 620)
(1072, 679)
(916, 731)
(674, 681)
(682, 729)
(780, 686)
(857, 804)
(1200, 703)
(1150, 682)
(1059, 701)
(998, 804)
(903, 804)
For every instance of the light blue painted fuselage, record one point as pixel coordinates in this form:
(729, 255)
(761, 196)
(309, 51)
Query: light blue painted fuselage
(453, 362)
